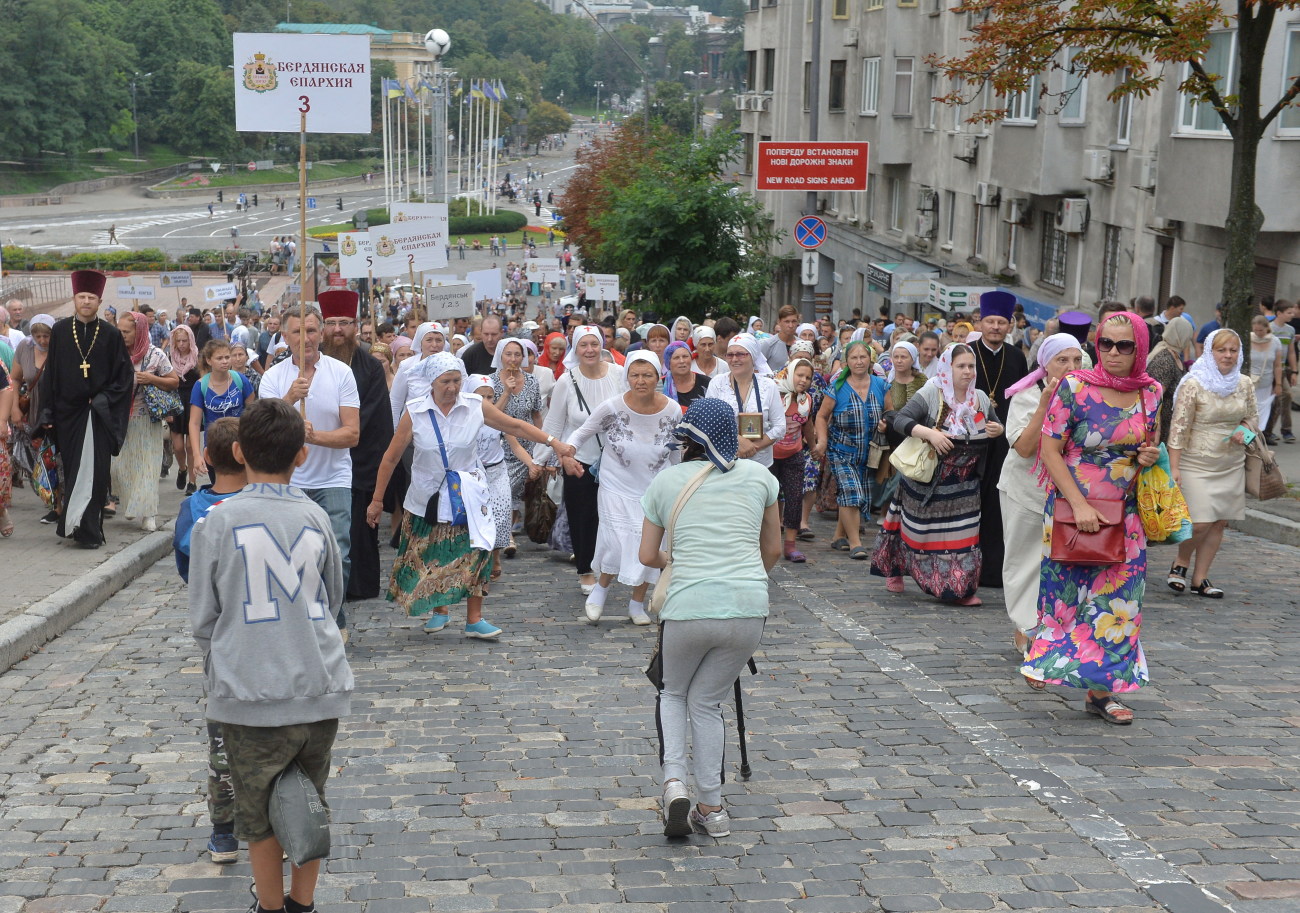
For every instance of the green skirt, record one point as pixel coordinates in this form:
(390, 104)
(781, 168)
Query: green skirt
(436, 566)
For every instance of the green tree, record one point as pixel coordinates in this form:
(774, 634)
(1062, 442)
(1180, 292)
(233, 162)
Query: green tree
(674, 108)
(683, 240)
(1019, 39)
(545, 119)
(200, 114)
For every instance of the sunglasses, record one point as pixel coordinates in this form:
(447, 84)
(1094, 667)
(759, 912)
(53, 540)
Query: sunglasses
(1122, 346)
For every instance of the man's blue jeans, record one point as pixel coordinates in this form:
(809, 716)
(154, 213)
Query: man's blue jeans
(337, 503)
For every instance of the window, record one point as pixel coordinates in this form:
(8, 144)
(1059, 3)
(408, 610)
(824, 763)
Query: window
(1289, 119)
(835, 93)
(1074, 91)
(839, 9)
(977, 233)
(1110, 264)
(751, 70)
(1220, 62)
(958, 119)
(1051, 266)
(903, 86)
(931, 90)
(1123, 113)
(950, 211)
(753, 4)
(896, 207)
(769, 69)
(875, 4)
(807, 85)
(1022, 107)
(911, 3)
(870, 85)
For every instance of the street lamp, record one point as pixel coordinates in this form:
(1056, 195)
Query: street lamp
(134, 119)
(695, 108)
(598, 86)
(437, 42)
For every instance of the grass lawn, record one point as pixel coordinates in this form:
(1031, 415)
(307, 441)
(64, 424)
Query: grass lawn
(53, 170)
(281, 174)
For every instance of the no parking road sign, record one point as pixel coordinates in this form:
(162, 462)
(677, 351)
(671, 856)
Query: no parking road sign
(809, 232)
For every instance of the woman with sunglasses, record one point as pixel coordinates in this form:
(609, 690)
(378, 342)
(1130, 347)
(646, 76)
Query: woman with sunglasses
(1098, 433)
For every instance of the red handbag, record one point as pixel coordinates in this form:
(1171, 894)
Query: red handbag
(1070, 545)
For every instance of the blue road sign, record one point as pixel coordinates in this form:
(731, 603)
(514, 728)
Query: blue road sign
(311, 202)
(809, 232)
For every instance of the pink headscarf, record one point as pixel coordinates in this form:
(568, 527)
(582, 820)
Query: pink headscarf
(1138, 378)
(140, 348)
(186, 363)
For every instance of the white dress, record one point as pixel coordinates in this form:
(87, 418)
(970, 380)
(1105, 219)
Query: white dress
(635, 450)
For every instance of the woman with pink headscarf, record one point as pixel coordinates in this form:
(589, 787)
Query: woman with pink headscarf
(135, 469)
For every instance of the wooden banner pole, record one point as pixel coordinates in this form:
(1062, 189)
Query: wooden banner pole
(302, 251)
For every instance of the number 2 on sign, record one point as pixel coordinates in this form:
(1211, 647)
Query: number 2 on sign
(306, 104)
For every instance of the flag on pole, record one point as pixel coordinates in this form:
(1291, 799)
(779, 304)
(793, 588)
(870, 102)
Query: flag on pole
(488, 91)
(475, 91)
(501, 91)
(391, 88)
(409, 94)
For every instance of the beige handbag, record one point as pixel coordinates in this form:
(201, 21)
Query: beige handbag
(660, 594)
(915, 458)
(1264, 479)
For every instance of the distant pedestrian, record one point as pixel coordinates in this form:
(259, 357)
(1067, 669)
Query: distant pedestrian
(269, 660)
(460, 247)
(112, 234)
(209, 210)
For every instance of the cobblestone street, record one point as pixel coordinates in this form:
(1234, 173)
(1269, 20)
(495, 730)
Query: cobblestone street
(900, 763)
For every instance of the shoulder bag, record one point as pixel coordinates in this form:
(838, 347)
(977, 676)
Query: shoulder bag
(1264, 479)
(916, 458)
(660, 594)
(459, 517)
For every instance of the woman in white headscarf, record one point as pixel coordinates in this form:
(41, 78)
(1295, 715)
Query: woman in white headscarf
(443, 558)
(707, 360)
(681, 330)
(755, 328)
(638, 428)
(588, 380)
(518, 394)
(1022, 494)
(430, 339)
(1214, 411)
(749, 390)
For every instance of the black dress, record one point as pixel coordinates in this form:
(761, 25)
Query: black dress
(994, 372)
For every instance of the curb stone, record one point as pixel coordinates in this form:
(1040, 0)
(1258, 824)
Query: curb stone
(43, 621)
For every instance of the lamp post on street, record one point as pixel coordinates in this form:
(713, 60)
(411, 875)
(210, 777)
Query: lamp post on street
(598, 86)
(695, 121)
(436, 42)
(135, 121)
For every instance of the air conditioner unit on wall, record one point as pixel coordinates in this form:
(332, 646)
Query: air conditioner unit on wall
(1017, 211)
(967, 148)
(1098, 165)
(986, 194)
(1146, 173)
(1166, 226)
(762, 102)
(926, 223)
(927, 199)
(740, 102)
(1072, 215)
(850, 38)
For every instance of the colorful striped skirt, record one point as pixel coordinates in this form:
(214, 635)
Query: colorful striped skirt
(436, 566)
(932, 531)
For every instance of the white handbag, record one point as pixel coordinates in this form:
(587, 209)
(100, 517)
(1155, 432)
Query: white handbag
(660, 594)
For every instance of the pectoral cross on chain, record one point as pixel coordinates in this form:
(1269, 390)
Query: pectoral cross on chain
(85, 368)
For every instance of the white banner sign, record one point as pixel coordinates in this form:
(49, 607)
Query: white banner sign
(487, 284)
(602, 286)
(409, 212)
(278, 78)
(356, 255)
(138, 292)
(221, 292)
(413, 245)
(544, 269)
(447, 302)
(175, 280)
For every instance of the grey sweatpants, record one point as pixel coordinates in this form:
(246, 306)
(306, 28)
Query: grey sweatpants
(701, 661)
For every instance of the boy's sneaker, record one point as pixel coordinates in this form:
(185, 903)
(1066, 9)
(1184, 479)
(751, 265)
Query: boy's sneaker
(715, 824)
(1288, 437)
(435, 623)
(223, 849)
(676, 810)
(482, 630)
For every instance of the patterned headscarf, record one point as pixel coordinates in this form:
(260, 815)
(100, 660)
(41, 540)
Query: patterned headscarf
(1138, 378)
(963, 417)
(433, 367)
(1207, 373)
(670, 388)
(187, 362)
(785, 383)
(139, 348)
(711, 423)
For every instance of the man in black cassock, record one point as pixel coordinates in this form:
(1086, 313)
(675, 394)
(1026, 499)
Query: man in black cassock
(339, 309)
(997, 366)
(86, 390)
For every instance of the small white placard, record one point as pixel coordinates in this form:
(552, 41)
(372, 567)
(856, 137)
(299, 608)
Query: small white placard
(602, 286)
(136, 292)
(221, 292)
(175, 280)
(356, 256)
(447, 302)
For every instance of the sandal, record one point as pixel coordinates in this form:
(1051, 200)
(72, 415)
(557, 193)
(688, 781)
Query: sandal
(1021, 642)
(859, 553)
(1177, 579)
(1207, 589)
(1035, 683)
(6, 525)
(1109, 709)
(840, 545)
(806, 535)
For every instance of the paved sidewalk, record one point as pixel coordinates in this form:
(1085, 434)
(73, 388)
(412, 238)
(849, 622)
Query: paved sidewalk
(899, 765)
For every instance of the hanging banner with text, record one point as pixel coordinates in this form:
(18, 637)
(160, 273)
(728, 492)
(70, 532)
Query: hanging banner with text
(356, 257)
(280, 77)
(601, 286)
(811, 166)
(447, 302)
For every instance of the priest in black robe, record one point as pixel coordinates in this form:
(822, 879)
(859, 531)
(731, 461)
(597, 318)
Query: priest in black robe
(997, 366)
(86, 391)
(339, 309)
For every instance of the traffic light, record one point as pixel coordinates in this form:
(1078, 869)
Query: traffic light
(254, 199)
(340, 204)
(220, 196)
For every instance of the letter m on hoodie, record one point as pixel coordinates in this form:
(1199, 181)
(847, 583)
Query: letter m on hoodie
(268, 571)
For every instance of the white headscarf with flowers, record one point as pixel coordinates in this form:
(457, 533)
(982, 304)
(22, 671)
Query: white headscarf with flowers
(964, 417)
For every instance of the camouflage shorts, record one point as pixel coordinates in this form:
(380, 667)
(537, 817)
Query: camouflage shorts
(257, 754)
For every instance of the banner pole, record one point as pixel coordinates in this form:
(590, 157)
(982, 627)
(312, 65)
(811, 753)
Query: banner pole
(302, 251)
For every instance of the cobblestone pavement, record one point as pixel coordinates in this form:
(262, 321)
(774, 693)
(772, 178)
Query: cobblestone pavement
(898, 763)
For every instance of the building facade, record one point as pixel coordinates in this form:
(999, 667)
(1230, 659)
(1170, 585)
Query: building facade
(1069, 199)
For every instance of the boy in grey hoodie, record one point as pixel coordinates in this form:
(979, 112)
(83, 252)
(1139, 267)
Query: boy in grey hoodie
(266, 581)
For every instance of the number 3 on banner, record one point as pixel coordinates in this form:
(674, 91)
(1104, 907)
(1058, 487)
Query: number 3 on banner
(306, 104)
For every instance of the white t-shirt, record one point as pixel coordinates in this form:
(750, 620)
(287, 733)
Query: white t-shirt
(332, 388)
(762, 396)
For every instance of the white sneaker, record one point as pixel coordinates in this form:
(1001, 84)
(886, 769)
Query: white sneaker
(638, 615)
(149, 524)
(676, 810)
(594, 611)
(715, 824)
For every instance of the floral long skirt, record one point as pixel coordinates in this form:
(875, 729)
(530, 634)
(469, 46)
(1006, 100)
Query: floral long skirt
(436, 566)
(135, 470)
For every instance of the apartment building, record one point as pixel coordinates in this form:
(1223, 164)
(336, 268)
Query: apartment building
(1067, 200)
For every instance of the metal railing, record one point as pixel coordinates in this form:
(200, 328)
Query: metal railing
(37, 293)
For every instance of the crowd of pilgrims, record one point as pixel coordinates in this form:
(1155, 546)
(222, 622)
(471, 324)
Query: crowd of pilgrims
(459, 438)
